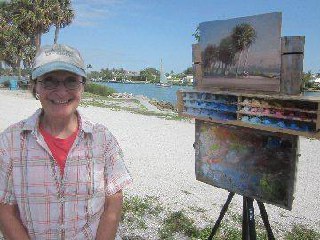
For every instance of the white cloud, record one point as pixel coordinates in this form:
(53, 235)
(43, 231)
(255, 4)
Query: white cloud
(90, 13)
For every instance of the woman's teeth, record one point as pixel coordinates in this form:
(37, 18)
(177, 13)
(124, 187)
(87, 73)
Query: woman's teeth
(60, 102)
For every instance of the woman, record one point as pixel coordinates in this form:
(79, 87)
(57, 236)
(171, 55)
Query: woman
(61, 176)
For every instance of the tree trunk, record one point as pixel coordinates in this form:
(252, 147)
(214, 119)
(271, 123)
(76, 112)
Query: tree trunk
(246, 60)
(56, 34)
(239, 60)
(37, 41)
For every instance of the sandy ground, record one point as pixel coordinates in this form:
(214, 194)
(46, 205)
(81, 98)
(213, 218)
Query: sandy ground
(160, 157)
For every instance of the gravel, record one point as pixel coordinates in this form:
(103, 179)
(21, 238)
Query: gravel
(160, 158)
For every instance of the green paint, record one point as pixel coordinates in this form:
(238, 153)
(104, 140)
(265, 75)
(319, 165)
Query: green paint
(238, 147)
(214, 147)
(272, 189)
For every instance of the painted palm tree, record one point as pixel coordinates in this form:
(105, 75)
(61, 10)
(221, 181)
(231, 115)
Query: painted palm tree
(62, 16)
(227, 53)
(243, 36)
(210, 57)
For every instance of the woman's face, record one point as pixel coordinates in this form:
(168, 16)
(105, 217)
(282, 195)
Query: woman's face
(59, 93)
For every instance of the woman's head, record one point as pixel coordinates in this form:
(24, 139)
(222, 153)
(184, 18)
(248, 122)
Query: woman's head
(58, 78)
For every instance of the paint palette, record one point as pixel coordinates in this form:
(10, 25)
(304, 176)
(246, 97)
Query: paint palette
(294, 115)
(256, 164)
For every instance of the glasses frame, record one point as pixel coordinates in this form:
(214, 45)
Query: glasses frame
(63, 82)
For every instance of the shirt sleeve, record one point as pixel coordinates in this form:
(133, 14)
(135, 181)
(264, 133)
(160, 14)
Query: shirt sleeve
(6, 181)
(117, 174)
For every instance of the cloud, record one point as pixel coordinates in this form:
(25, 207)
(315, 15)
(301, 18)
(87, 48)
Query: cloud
(91, 13)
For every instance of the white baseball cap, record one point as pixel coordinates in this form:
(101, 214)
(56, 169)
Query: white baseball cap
(58, 57)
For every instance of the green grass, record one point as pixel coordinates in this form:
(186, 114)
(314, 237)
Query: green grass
(98, 89)
(300, 232)
(136, 210)
(178, 222)
(175, 224)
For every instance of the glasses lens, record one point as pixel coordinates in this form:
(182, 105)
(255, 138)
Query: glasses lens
(50, 83)
(71, 83)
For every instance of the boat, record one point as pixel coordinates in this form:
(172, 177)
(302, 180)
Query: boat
(163, 79)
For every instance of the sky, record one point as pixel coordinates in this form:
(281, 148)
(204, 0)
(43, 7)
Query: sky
(136, 34)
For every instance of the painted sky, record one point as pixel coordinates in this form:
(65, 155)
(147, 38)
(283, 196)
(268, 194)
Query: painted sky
(135, 34)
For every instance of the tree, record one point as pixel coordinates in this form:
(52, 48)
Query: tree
(62, 15)
(188, 71)
(196, 34)
(243, 36)
(151, 74)
(307, 80)
(32, 17)
(14, 45)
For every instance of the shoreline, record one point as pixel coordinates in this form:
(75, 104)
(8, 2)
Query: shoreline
(160, 157)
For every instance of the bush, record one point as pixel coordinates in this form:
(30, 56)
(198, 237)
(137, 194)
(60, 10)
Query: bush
(6, 84)
(98, 89)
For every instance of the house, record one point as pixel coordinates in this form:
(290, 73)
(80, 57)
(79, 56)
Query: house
(188, 79)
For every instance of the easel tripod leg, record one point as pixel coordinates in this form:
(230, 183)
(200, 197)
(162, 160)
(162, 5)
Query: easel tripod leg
(222, 213)
(265, 219)
(248, 222)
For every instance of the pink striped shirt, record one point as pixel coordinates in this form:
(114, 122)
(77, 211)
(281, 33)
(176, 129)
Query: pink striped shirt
(53, 206)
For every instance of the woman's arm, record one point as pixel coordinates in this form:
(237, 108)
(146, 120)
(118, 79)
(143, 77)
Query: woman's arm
(110, 218)
(10, 223)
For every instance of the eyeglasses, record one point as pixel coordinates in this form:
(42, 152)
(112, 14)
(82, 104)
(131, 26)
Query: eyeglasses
(71, 83)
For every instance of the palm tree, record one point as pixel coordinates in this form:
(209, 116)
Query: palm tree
(62, 16)
(243, 36)
(33, 18)
(14, 45)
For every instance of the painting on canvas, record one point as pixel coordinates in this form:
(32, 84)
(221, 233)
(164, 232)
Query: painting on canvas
(242, 53)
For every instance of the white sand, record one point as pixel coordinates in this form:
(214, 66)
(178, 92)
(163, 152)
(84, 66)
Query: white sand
(160, 157)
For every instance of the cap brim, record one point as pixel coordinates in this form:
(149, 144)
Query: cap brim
(56, 66)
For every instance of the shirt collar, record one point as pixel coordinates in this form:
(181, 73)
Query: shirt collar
(31, 124)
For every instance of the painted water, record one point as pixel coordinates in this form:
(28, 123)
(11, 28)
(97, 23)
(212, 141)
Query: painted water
(151, 91)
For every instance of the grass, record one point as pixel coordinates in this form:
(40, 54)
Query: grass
(136, 209)
(301, 232)
(177, 224)
(98, 89)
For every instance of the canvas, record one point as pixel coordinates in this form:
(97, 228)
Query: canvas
(256, 164)
(242, 53)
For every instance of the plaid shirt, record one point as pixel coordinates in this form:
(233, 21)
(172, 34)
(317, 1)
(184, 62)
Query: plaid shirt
(52, 206)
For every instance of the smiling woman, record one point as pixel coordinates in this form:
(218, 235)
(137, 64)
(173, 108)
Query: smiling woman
(61, 176)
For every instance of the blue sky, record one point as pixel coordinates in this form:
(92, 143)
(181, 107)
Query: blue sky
(135, 34)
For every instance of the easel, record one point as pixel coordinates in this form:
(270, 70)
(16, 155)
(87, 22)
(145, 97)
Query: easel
(218, 90)
(248, 222)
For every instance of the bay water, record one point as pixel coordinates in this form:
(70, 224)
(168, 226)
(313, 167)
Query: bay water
(149, 90)
(167, 94)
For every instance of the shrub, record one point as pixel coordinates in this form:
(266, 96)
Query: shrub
(98, 89)
(6, 83)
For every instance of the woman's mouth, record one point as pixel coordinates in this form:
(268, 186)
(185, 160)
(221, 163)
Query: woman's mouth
(60, 101)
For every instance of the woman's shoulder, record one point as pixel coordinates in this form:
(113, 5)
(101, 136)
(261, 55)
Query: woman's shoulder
(18, 127)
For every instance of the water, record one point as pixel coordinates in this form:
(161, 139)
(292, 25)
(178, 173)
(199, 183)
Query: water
(312, 93)
(167, 94)
(151, 91)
